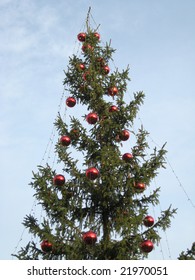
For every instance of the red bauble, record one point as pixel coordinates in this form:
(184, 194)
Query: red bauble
(74, 133)
(86, 47)
(97, 36)
(89, 237)
(81, 37)
(100, 61)
(112, 91)
(127, 157)
(148, 221)
(106, 69)
(124, 135)
(140, 186)
(81, 66)
(46, 246)
(70, 101)
(65, 140)
(92, 118)
(92, 173)
(113, 108)
(147, 246)
(59, 180)
(86, 75)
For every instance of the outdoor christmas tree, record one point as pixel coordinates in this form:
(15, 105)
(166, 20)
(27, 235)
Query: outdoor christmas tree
(97, 205)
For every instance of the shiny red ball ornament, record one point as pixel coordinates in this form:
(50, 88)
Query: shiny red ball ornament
(81, 37)
(113, 108)
(46, 246)
(81, 66)
(140, 186)
(92, 118)
(124, 135)
(147, 246)
(89, 237)
(86, 47)
(59, 180)
(106, 69)
(148, 221)
(127, 157)
(86, 75)
(92, 173)
(112, 91)
(65, 140)
(97, 36)
(70, 101)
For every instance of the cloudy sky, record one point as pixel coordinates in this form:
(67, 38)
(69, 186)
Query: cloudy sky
(155, 37)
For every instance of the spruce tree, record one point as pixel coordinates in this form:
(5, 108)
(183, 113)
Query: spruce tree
(189, 254)
(96, 205)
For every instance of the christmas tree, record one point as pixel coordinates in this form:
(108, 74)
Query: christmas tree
(189, 254)
(97, 205)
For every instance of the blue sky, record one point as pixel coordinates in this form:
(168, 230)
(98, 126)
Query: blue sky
(155, 37)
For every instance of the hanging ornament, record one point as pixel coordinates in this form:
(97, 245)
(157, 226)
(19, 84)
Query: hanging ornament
(100, 61)
(81, 37)
(148, 221)
(92, 173)
(74, 133)
(112, 91)
(46, 246)
(147, 246)
(113, 108)
(89, 237)
(127, 157)
(92, 118)
(97, 35)
(86, 47)
(86, 75)
(70, 101)
(81, 66)
(59, 180)
(106, 69)
(140, 186)
(65, 140)
(124, 135)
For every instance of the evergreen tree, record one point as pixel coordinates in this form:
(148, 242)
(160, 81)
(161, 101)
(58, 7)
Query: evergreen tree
(102, 210)
(189, 254)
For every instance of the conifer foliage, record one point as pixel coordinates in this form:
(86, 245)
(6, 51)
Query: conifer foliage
(102, 210)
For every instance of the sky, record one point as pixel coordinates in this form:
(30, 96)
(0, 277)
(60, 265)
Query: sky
(155, 37)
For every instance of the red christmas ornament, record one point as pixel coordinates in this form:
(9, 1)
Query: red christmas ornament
(89, 237)
(92, 118)
(70, 101)
(148, 221)
(74, 133)
(92, 173)
(147, 246)
(59, 180)
(127, 157)
(81, 37)
(106, 69)
(112, 91)
(65, 140)
(46, 246)
(86, 47)
(100, 61)
(86, 75)
(124, 135)
(97, 36)
(140, 186)
(81, 66)
(113, 108)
